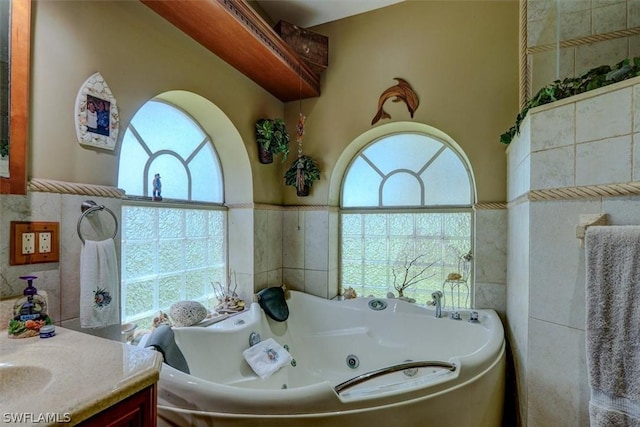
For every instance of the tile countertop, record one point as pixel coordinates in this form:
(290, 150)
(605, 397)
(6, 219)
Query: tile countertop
(73, 375)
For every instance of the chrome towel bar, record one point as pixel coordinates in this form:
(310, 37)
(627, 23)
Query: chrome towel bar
(390, 369)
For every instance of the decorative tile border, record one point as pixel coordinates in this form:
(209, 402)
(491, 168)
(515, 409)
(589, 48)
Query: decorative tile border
(490, 205)
(586, 192)
(584, 40)
(580, 192)
(61, 187)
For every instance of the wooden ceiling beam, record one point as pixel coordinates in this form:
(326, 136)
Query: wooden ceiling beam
(232, 30)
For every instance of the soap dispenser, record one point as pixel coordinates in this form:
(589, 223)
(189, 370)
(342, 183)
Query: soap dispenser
(29, 312)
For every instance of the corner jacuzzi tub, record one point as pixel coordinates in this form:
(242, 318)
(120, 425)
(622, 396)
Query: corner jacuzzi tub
(408, 367)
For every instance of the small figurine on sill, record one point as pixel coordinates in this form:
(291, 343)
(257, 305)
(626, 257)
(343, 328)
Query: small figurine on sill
(157, 188)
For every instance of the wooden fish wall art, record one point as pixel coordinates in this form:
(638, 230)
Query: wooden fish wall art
(400, 92)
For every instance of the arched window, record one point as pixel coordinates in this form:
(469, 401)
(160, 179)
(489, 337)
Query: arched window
(406, 216)
(173, 231)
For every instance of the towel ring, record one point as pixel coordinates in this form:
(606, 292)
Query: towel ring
(89, 207)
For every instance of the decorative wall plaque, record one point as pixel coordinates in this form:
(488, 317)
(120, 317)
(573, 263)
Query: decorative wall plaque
(96, 114)
(400, 92)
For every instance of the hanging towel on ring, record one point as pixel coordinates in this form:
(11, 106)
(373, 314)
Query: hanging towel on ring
(612, 331)
(99, 284)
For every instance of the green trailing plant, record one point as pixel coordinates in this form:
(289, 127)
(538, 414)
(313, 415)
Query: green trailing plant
(593, 79)
(301, 174)
(272, 136)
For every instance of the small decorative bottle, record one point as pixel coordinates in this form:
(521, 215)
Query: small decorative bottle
(29, 312)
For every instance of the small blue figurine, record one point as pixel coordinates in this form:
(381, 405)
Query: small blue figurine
(157, 187)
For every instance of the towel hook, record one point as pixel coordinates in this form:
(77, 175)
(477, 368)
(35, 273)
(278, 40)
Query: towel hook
(88, 207)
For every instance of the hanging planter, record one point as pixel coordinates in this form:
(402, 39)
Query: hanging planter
(264, 156)
(301, 174)
(304, 192)
(272, 139)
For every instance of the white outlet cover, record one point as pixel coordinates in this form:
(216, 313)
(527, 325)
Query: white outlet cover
(44, 240)
(28, 243)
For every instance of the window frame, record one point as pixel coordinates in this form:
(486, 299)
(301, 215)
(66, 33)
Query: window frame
(374, 141)
(170, 205)
(147, 201)
(145, 183)
(381, 209)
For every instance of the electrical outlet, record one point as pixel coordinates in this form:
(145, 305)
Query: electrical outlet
(44, 242)
(28, 243)
(33, 242)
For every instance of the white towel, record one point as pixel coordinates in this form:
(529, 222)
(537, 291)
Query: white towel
(266, 357)
(612, 325)
(99, 284)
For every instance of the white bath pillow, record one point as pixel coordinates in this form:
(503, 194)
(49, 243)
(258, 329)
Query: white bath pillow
(266, 357)
(187, 313)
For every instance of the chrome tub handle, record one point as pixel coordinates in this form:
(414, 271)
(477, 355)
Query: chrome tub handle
(390, 369)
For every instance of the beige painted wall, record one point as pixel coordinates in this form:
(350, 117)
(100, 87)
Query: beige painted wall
(140, 55)
(460, 58)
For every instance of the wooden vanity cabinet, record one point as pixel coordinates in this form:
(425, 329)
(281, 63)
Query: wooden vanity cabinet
(137, 410)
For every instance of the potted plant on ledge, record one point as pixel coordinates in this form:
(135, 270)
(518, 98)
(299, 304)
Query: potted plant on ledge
(301, 174)
(272, 138)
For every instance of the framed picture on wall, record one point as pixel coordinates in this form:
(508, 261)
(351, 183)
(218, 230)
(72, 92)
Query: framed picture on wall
(96, 114)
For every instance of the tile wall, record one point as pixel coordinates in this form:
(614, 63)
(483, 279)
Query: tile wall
(310, 250)
(296, 246)
(551, 21)
(60, 279)
(268, 246)
(490, 259)
(587, 140)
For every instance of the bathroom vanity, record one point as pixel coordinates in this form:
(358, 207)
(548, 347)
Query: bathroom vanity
(79, 379)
